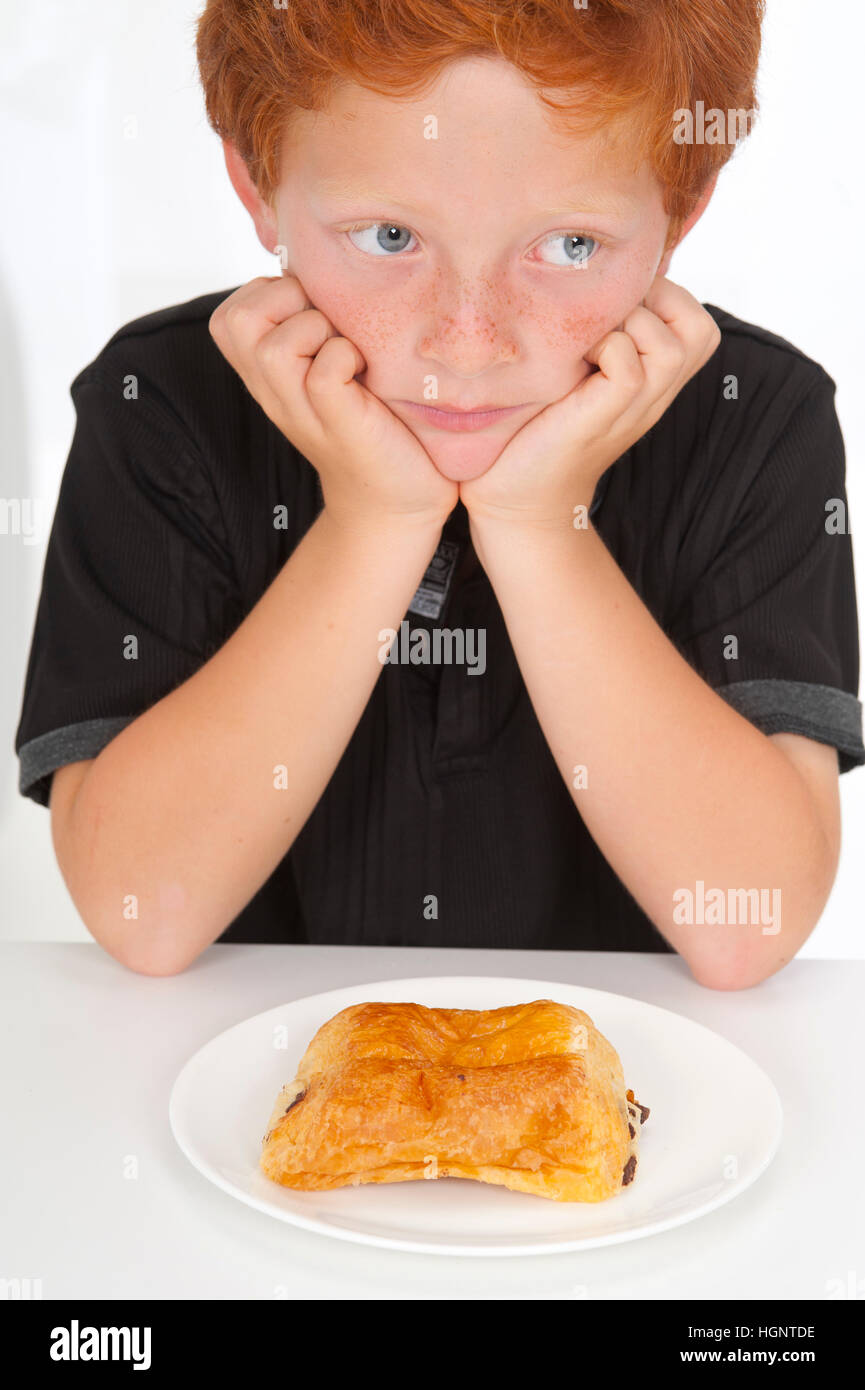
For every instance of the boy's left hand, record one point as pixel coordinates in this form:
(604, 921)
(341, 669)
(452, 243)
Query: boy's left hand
(554, 462)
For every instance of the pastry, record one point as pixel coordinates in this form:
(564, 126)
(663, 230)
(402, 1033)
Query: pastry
(530, 1096)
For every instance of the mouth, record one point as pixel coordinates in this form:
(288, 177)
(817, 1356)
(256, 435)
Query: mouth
(459, 420)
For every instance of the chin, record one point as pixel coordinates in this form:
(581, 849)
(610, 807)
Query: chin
(462, 462)
(463, 457)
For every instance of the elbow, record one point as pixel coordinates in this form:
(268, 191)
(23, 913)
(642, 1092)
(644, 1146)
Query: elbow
(156, 958)
(748, 962)
(719, 975)
(156, 954)
(159, 938)
(139, 959)
(155, 968)
(741, 961)
(750, 949)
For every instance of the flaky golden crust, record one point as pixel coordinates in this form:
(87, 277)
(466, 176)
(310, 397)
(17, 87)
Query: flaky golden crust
(530, 1096)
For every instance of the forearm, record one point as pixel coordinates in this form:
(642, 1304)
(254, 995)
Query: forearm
(679, 788)
(184, 812)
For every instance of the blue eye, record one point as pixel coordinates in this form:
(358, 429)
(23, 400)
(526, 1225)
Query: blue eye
(388, 238)
(578, 249)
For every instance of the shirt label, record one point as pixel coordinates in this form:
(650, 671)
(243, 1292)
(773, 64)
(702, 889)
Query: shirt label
(431, 593)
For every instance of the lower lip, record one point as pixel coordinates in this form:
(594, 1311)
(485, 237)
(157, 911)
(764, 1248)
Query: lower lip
(460, 421)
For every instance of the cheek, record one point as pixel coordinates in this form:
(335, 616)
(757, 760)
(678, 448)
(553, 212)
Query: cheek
(556, 335)
(574, 323)
(355, 313)
(372, 325)
(575, 331)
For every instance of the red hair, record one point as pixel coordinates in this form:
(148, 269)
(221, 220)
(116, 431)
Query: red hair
(632, 61)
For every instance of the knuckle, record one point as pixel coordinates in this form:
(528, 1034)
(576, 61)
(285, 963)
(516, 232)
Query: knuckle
(634, 377)
(331, 362)
(708, 344)
(318, 376)
(215, 324)
(675, 356)
(707, 328)
(321, 322)
(332, 351)
(268, 350)
(237, 312)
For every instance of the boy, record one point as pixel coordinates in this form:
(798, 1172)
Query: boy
(473, 404)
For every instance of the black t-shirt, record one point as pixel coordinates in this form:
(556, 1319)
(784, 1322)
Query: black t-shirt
(180, 502)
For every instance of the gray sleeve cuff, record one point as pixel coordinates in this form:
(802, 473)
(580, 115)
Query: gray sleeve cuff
(42, 756)
(821, 712)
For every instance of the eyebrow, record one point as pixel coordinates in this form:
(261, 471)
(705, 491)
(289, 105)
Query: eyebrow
(587, 205)
(622, 206)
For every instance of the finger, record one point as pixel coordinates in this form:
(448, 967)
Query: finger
(282, 361)
(672, 349)
(268, 332)
(599, 401)
(618, 361)
(686, 317)
(293, 344)
(333, 368)
(663, 355)
(244, 317)
(338, 400)
(671, 302)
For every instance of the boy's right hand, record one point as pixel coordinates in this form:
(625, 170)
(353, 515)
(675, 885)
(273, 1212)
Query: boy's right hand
(293, 362)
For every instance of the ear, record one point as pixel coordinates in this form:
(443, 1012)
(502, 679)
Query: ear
(261, 212)
(691, 221)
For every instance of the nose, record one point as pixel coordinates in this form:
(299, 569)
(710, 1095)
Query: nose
(467, 331)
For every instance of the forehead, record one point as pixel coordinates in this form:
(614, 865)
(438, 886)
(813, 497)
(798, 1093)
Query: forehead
(479, 130)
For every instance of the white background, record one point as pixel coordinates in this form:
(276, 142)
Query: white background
(117, 203)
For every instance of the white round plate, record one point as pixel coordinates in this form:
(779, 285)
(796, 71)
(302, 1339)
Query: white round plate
(715, 1125)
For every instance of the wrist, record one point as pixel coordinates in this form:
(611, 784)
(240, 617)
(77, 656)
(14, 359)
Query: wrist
(520, 523)
(500, 539)
(543, 513)
(383, 528)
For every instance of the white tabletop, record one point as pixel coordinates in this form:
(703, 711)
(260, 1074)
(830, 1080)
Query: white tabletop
(90, 1053)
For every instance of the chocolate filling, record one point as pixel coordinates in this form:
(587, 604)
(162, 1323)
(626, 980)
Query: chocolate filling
(644, 1109)
(629, 1170)
(294, 1102)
